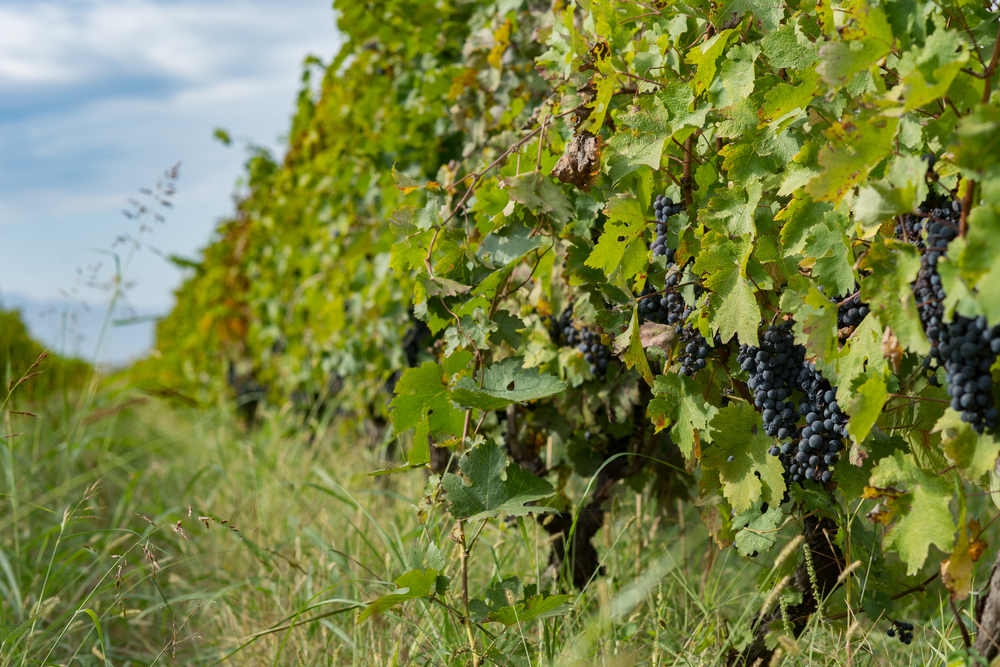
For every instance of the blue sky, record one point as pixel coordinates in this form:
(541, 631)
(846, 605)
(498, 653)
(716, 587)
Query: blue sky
(97, 99)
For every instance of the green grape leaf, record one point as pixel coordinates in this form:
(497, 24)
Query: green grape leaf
(974, 455)
(421, 392)
(786, 101)
(540, 195)
(862, 352)
(800, 216)
(926, 72)
(510, 244)
(830, 250)
(507, 329)
(901, 192)
(922, 514)
(704, 58)
(623, 243)
(867, 39)
(978, 142)
(410, 586)
(738, 433)
(474, 332)
(492, 486)
(732, 209)
(815, 322)
(733, 308)
(787, 48)
(736, 77)
(757, 532)
(679, 401)
(534, 608)
(506, 382)
(856, 146)
(887, 292)
(865, 406)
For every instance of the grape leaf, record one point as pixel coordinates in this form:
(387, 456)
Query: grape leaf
(733, 308)
(787, 48)
(887, 292)
(410, 586)
(922, 514)
(421, 392)
(507, 330)
(974, 455)
(867, 39)
(510, 244)
(865, 406)
(757, 532)
(800, 216)
(704, 58)
(623, 243)
(732, 209)
(496, 486)
(926, 72)
(678, 401)
(862, 351)
(786, 101)
(855, 148)
(539, 194)
(474, 332)
(736, 79)
(506, 382)
(738, 433)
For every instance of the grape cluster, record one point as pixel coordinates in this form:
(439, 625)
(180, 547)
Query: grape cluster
(772, 368)
(968, 347)
(821, 438)
(852, 310)
(664, 308)
(664, 208)
(583, 339)
(942, 227)
(912, 225)
(694, 350)
(903, 630)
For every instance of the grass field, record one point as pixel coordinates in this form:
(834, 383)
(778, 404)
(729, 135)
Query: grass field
(137, 532)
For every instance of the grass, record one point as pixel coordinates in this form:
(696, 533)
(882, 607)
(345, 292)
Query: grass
(158, 534)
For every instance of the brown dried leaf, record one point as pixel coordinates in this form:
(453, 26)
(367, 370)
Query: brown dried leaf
(662, 336)
(581, 163)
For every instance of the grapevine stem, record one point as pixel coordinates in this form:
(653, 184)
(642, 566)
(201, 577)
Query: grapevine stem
(913, 589)
(961, 623)
(686, 180)
(971, 185)
(919, 398)
(465, 594)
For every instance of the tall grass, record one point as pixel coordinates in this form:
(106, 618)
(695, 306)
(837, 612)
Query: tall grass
(156, 534)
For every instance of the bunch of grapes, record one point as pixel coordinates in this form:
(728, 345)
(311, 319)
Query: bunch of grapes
(903, 629)
(912, 225)
(694, 350)
(821, 438)
(662, 308)
(942, 227)
(583, 339)
(968, 347)
(772, 368)
(851, 311)
(664, 208)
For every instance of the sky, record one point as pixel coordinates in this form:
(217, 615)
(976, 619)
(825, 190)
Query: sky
(97, 99)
